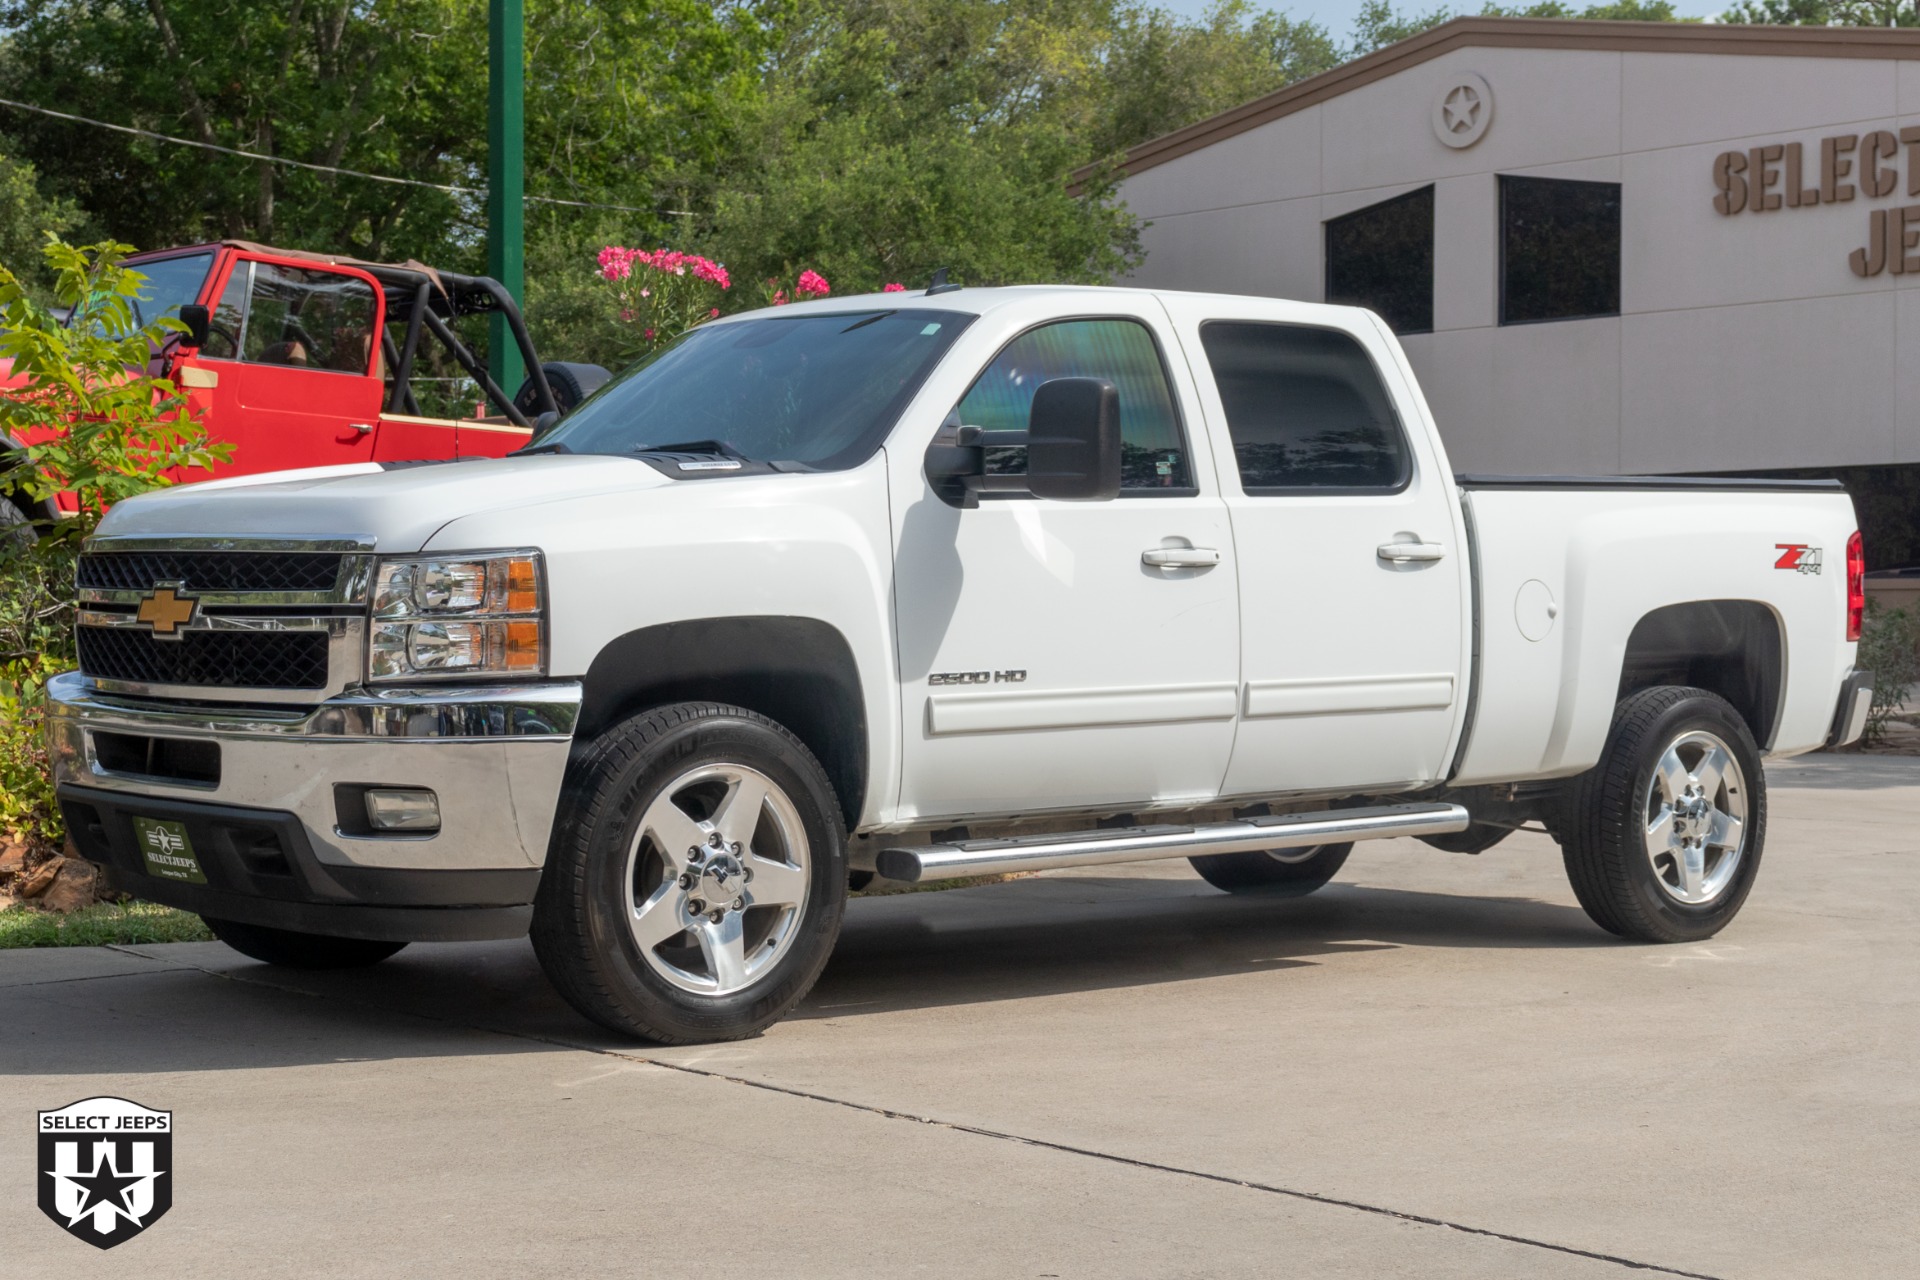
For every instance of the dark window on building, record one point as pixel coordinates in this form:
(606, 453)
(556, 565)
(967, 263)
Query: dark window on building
(1381, 258)
(1306, 409)
(1559, 249)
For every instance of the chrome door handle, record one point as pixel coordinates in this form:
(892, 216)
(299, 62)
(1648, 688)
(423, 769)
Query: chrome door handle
(364, 428)
(1407, 552)
(1180, 557)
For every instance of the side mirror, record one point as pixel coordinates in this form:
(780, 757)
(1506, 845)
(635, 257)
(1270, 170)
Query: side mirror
(199, 324)
(1073, 440)
(545, 423)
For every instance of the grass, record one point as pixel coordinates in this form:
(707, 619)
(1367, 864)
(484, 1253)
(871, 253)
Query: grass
(106, 922)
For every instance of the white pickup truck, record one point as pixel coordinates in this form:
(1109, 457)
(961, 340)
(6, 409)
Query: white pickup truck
(925, 586)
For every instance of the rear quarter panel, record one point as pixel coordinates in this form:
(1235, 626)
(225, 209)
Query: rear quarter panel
(1608, 558)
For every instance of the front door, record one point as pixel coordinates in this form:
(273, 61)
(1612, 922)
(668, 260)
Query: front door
(1352, 561)
(1045, 664)
(291, 367)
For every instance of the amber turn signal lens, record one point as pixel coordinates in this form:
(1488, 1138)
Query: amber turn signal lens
(523, 586)
(523, 646)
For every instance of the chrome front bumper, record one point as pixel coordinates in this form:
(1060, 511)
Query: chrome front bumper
(494, 756)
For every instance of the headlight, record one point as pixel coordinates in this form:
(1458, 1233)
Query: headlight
(459, 615)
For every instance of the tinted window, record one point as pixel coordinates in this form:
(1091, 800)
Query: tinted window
(1559, 249)
(229, 316)
(1381, 258)
(1153, 451)
(820, 390)
(1305, 407)
(316, 319)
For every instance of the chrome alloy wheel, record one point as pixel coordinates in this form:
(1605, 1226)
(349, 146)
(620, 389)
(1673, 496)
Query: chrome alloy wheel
(1696, 810)
(718, 875)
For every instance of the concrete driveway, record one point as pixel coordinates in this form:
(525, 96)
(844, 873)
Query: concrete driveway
(1436, 1067)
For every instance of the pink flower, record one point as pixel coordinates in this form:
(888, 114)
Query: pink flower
(714, 314)
(616, 263)
(812, 284)
(711, 272)
(649, 335)
(779, 297)
(893, 288)
(646, 293)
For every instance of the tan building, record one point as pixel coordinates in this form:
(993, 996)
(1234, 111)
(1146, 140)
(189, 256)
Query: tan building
(1608, 247)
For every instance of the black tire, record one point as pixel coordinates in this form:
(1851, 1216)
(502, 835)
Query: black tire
(606, 869)
(1280, 873)
(16, 527)
(1606, 831)
(571, 382)
(292, 950)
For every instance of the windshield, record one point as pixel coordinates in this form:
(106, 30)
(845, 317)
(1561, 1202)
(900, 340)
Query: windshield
(171, 284)
(817, 390)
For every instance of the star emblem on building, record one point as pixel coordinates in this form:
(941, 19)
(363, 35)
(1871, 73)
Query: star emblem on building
(1462, 108)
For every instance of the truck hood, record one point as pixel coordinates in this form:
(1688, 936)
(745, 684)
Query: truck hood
(398, 505)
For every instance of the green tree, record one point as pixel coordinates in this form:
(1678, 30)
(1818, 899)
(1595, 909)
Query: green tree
(1161, 71)
(624, 97)
(27, 214)
(1826, 13)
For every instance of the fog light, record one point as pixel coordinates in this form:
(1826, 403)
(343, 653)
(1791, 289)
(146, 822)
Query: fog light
(402, 809)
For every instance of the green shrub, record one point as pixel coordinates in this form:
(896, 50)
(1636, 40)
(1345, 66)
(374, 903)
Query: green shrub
(103, 428)
(1890, 650)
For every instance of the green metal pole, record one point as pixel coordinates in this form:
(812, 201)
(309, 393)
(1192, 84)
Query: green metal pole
(506, 178)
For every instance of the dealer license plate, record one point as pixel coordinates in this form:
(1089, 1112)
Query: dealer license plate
(168, 853)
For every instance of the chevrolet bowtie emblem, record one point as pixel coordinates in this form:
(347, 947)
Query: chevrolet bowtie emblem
(166, 611)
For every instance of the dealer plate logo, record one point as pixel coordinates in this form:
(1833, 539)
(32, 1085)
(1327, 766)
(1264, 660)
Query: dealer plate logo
(106, 1167)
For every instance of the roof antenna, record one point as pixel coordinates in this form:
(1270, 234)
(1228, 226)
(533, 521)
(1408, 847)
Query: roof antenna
(939, 283)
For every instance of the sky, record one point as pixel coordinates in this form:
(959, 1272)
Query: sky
(1337, 15)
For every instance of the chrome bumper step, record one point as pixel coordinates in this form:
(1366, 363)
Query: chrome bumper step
(1143, 844)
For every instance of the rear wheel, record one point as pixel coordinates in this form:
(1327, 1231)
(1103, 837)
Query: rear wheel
(1286, 873)
(697, 877)
(292, 950)
(1662, 839)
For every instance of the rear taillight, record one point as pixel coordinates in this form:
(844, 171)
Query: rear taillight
(1856, 586)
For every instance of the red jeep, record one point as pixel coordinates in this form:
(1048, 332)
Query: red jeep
(309, 360)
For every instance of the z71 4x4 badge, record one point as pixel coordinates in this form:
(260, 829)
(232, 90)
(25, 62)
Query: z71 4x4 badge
(1797, 556)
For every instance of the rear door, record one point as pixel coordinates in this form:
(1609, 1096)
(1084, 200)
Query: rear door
(291, 367)
(1353, 568)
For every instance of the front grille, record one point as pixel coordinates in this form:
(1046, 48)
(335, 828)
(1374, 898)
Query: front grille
(203, 571)
(214, 659)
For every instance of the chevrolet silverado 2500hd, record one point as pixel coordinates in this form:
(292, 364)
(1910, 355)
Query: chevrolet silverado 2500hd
(927, 586)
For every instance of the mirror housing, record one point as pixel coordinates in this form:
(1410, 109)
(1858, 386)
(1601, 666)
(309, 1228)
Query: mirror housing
(1073, 440)
(199, 324)
(1072, 443)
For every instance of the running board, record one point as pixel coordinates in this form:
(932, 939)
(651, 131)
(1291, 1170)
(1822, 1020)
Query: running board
(1143, 844)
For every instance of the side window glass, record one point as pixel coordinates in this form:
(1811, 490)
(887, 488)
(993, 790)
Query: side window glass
(315, 319)
(1153, 450)
(1306, 409)
(229, 316)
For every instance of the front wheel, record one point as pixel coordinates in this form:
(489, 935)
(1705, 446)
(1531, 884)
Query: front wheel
(1662, 838)
(290, 950)
(1284, 873)
(696, 879)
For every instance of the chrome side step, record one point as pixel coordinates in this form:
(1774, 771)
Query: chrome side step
(1143, 844)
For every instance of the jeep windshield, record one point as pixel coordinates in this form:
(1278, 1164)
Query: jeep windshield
(818, 391)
